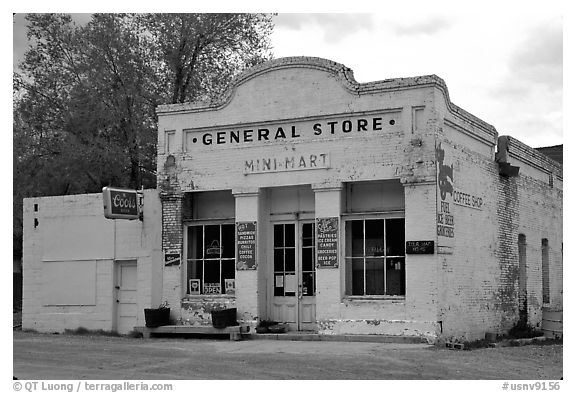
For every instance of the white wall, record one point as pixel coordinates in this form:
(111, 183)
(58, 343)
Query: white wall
(68, 262)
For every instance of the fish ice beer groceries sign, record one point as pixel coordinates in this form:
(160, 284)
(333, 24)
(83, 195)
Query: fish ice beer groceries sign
(120, 203)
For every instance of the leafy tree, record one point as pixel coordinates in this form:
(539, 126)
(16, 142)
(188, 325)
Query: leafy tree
(85, 96)
(202, 52)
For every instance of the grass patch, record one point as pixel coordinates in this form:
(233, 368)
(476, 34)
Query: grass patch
(478, 344)
(135, 334)
(82, 331)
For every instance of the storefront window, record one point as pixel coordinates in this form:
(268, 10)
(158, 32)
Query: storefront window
(375, 257)
(211, 259)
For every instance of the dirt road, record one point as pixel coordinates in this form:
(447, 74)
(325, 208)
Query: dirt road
(44, 356)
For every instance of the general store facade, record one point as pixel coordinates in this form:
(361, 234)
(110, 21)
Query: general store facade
(304, 197)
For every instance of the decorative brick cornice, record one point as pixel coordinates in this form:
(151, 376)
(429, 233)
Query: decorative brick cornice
(341, 73)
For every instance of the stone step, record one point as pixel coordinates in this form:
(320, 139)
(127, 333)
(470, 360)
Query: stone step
(374, 338)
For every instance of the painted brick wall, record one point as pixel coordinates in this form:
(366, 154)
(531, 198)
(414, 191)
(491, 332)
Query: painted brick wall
(469, 287)
(76, 222)
(480, 279)
(540, 217)
(172, 243)
(405, 150)
(470, 272)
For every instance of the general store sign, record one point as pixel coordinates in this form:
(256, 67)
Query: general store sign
(306, 129)
(120, 203)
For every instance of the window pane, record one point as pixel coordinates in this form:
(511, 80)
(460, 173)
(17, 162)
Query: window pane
(307, 235)
(228, 249)
(279, 260)
(374, 276)
(355, 238)
(212, 246)
(357, 276)
(278, 235)
(194, 270)
(395, 237)
(290, 260)
(195, 242)
(211, 277)
(307, 259)
(308, 284)
(374, 237)
(228, 272)
(395, 276)
(289, 235)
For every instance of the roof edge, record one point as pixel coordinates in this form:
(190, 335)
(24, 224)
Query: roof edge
(343, 74)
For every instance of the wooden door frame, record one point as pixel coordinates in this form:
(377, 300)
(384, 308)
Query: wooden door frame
(298, 222)
(117, 263)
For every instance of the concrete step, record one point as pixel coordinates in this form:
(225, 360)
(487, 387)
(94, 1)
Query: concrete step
(374, 338)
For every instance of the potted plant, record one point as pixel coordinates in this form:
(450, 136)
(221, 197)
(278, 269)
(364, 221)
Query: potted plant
(264, 326)
(159, 316)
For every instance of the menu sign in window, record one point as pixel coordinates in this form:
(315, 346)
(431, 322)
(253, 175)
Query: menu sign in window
(246, 245)
(327, 242)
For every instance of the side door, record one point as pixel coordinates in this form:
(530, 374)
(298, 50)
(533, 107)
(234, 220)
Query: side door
(126, 296)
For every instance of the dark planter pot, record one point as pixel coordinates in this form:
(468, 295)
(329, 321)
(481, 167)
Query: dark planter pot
(157, 317)
(223, 318)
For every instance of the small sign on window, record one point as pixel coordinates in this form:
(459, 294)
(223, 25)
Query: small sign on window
(212, 288)
(279, 283)
(194, 286)
(214, 248)
(230, 284)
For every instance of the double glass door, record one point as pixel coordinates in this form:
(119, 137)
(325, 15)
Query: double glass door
(294, 274)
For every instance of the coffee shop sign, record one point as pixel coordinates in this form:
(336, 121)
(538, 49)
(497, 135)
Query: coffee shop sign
(467, 200)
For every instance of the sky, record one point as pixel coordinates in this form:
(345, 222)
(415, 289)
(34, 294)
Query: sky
(507, 72)
(499, 64)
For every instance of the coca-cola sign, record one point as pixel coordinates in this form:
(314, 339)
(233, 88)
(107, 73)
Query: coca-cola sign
(120, 203)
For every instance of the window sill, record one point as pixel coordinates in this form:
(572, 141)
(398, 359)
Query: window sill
(207, 296)
(374, 298)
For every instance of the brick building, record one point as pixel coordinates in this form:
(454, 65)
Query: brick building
(304, 197)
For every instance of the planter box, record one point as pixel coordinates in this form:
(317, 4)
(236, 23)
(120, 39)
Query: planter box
(224, 318)
(157, 317)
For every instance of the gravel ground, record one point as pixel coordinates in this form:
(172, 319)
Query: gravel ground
(49, 356)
